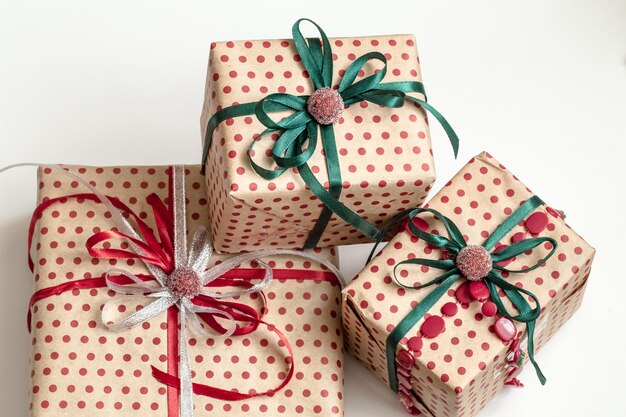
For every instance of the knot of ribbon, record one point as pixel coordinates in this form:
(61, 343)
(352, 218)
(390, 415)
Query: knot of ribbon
(486, 266)
(298, 136)
(179, 278)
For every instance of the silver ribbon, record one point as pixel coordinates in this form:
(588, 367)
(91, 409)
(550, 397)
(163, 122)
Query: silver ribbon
(194, 258)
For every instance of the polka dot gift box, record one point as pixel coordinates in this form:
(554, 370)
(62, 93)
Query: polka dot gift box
(466, 293)
(314, 142)
(108, 339)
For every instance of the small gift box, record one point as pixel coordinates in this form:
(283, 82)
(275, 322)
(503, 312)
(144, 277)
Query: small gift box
(314, 142)
(130, 315)
(449, 311)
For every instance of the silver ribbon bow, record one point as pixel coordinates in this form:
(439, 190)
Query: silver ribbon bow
(188, 279)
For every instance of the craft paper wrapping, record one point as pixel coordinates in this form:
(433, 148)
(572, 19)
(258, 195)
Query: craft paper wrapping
(79, 367)
(460, 370)
(385, 153)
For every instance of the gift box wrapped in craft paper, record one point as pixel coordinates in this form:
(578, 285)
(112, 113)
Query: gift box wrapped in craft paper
(314, 142)
(133, 316)
(450, 310)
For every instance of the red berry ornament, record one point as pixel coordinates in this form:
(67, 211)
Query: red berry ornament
(325, 105)
(474, 262)
(184, 282)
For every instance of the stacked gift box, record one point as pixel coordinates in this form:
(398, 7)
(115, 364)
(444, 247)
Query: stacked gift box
(79, 364)
(452, 359)
(212, 289)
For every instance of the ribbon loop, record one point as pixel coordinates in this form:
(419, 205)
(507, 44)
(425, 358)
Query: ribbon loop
(526, 314)
(446, 265)
(391, 99)
(200, 250)
(288, 152)
(456, 241)
(137, 285)
(150, 311)
(320, 68)
(522, 247)
(266, 173)
(197, 310)
(282, 102)
(150, 254)
(349, 89)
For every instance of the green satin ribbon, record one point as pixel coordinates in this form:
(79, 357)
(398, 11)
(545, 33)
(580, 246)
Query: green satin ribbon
(299, 131)
(494, 281)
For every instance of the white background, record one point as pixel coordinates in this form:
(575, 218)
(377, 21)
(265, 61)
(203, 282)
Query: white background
(539, 84)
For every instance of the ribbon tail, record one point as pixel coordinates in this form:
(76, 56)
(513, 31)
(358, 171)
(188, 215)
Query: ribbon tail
(452, 136)
(386, 229)
(320, 225)
(110, 204)
(526, 313)
(148, 312)
(530, 328)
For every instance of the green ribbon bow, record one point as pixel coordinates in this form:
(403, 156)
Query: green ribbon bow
(494, 280)
(291, 150)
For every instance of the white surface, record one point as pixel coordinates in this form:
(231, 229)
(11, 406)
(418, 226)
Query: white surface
(541, 85)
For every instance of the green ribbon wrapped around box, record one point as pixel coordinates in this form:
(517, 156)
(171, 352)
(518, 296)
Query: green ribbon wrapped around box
(299, 131)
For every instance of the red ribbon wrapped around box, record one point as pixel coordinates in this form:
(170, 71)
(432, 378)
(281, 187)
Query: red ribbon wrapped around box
(199, 331)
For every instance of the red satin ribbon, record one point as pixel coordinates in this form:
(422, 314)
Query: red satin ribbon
(172, 363)
(159, 252)
(81, 284)
(222, 394)
(244, 275)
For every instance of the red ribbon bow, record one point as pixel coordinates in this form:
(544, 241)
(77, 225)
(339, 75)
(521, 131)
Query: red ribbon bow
(159, 251)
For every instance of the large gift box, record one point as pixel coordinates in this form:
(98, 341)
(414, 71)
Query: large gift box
(450, 310)
(287, 166)
(103, 342)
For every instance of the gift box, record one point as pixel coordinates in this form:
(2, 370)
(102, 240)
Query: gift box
(439, 314)
(287, 166)
(99, 352)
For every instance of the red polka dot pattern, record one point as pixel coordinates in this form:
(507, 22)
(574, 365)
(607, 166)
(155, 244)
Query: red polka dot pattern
(251, 213)
(79, 367)
(459, 371)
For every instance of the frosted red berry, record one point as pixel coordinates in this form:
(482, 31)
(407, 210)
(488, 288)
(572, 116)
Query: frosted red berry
(184, 282)
(474, 262)
(325, 105)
